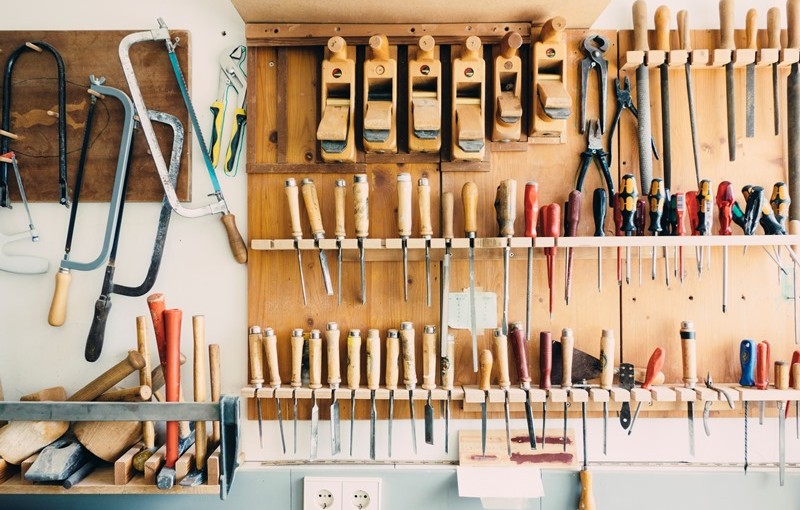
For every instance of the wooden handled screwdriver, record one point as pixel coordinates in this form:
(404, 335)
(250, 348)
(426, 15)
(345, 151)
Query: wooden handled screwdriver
(407, 347)
(340, 232)
(373, 382)
(392, 374)
(293, 199)
(270, 343)
(353, 376)
(501, 353)
(505, 204)
(315, 383)
(469, 198)
(311, 201)
(361, 205)
(520, 352)
(297, 341)
(404, 222)
(425, 229)
(332, 334)
(484, 378)
(254, 341)
(429, 376)
(531, 206)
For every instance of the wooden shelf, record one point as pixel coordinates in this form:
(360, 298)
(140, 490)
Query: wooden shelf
(709, 59)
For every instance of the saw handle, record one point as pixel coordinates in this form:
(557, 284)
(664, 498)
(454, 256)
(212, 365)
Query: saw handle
(726, 41)
(567, 348)
(501, 354)
(545, 359)
(662, 28)
(270, 346)
(339, 195)
(654, 366)
(640, 26)
(354, 359)
(332, 334)
(519, 350)
(684, 35)
(392, 359)
(238, 248)
(315, 360)
(447, 215)
(58, 306)
(531, 208)
(607, 359)
(485, 362)
(429, 358)
(373, 359)
(424, 199)
(404, 204)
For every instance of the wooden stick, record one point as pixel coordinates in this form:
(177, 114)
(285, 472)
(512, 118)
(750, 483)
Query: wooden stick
(9, 134)
(199, 330)
(145, 377)
(214, 373)
(33, 47)
(133, 394)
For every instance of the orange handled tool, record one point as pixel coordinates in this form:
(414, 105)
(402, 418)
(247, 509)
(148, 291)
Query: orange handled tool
(654, 367)
(172, 376)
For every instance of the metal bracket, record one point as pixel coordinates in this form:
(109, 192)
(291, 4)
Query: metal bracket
(226, 411)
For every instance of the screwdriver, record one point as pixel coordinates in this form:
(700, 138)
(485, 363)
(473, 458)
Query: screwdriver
(618, 232)
(626, 198)
(692, 210)
(705, 218)
(311, 201)
(254, 340)
(501, 354)
(469, 199)
(747, 359)
(425, 229)
(551, 226)
(545, 366)
(781, 383)
(392, 374)
(654, 366)
(505, 205)
(270, 343)
(567, 346)
(353, 375)
(332, 334)
(679, 210)
(599, 206)
(361, 206)
(293, 199)
(724, 204)
(639, 221)
(531, 220)
(297, 342)
(520, 352)
(339, 193)
(404, 222)
(407, 347)
(655, 200)
(571, 220)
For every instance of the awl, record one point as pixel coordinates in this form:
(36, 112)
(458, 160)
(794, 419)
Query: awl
(332, 334)
(505, 205)
(311, 201)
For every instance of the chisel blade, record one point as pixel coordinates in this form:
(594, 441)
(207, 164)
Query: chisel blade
(706, 415)
(605, 428)
(776, 95)
(372, 416)
(260, 422)
(529, 293)
(294, 417)
(280, 422)
(314, 425)
(405, 269)
(750, 101)
(447, 424)
(428, 421)
(544, 424)
(336, 426)
(508, 425)
(506, 263)
(472, 307)
(690, 416)
(529, 419)
(444, 299)
(483, 424)
(781, 442)
(363, 271)
(302, 278)
(412, 420)
(352, 418)
(339, 270)
(326, 274)
(391, 419)
(730, 102)
(564, 438)
(428, 271)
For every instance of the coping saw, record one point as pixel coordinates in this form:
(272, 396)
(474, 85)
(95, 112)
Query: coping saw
(220, 206)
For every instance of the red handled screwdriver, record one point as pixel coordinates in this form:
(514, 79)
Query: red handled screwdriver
(679, 206)
(705, 219)
(531, 219)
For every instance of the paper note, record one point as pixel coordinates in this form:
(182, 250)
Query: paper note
(459, 313)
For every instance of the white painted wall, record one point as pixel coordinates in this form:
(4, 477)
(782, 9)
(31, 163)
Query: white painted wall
(199, 275)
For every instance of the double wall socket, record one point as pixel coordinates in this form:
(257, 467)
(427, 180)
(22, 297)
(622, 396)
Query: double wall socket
(341, 493)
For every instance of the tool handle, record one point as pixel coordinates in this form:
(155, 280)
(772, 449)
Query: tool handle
(214, 369)
(270, 343)
(404, 204)
(553, 30)
(519, 350)
(172, 376)
(373, 359)
(54, 394)
(429, 358)
(145, 377)
(361, 204)
(501, 355)
(662, 28)
(762, 366)
(795, 375)
(747, 360)
(779, 201)
(379, 47)
(510, 45)
(781, 375)
(311, 201)
(684, 35)
(199, 386)
(485, 369)
(315, 360)
(447, 215)
(505, 205)
(424, 199)
(134, 361)
(793, 23)
(774, 28)
(586, 501)
(794, 381)
(354, 359)
(531, 208)
(392, 359)
(567, 348)
(705, 208)
(724, 204)
(239, 120)
(235, 241)
(469, 198)
(58, 306)
(407, 347)
(297, 342)
(689, 353)
(339, 195)
(545, 359)
(626, 198)
(217, 107)
(654, 366)
(573, 211)
(338, 48)
(692, 208)
(607, 348)
(332, 335)
(639, 216)
(599, 208)
(751, 29)
(640, 26)
(448, 372)
(293, 199)
(679, 208)
(157, 304)
(139, 393)
(254, 342)
(726, 41)
(551, 221)
(655, 201)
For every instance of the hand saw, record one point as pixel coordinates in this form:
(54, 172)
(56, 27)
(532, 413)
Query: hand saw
(232, 79)
(235, 241)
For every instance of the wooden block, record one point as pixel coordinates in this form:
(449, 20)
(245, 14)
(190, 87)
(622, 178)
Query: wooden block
(25, 466)
(640, 395)
(108, 439)
(509, 106)
(599, 395)
(470, 454)
(184, 464)
(557, 395)
(123, 466)
(663, 394)
(469, 122)
(212, 467)
(153, 464)
(579, 395)
(334, 123)
(378, 115)
(619, 394)
(685, 394)
(427, 114)
(552, 94)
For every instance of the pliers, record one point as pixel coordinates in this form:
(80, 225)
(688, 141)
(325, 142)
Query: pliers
(707, 408)
(232, 78)
(594, 150)
(625, 102)
(594, 46)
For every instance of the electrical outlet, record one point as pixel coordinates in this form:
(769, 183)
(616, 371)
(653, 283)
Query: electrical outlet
(361, 494)
(322, 493)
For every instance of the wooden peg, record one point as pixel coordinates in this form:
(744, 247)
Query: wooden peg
(354, 359)
(468, 92)
(9, 134)
(95, 93)
(52, 113)
(380, 96)
(34, 47)
(552, 104)
(424, 97)
(4, 159)
(337, 85)
(607, 359)
(553, 30)
(507, 125)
